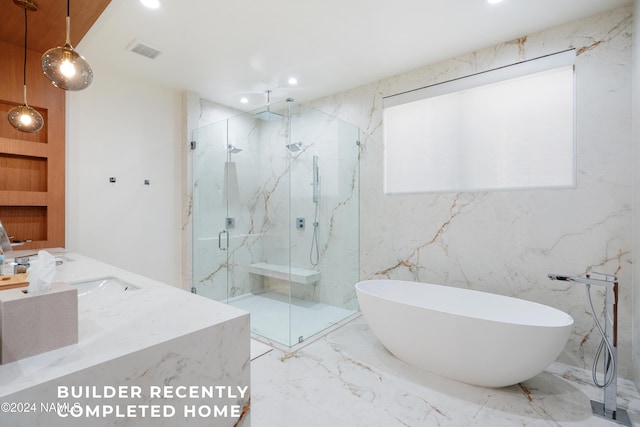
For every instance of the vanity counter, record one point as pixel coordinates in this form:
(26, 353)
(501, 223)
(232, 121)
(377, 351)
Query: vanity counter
(153, 335)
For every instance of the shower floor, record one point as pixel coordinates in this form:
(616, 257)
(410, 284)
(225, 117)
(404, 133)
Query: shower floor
(270, 316)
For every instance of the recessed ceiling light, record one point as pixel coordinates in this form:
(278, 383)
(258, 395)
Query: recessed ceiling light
(293, 81)
(244, 100)
(494, 1)
(151, 4)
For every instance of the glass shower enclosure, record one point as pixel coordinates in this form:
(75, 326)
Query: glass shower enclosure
(275, 218)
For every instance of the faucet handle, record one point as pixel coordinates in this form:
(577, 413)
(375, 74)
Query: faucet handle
(606, 277)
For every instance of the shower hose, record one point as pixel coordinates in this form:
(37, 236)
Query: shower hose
(610, 365)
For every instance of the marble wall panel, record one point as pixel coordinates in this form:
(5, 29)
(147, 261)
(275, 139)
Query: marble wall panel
(507, 241)
(636, 195)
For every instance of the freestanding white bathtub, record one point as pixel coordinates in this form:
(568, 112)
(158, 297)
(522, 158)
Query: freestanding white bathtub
(474, 337)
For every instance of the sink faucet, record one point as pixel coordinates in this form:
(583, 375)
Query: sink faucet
(22, 264)
(4, 239)
(5, 246)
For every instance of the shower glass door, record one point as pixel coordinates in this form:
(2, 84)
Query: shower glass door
(275, 219)
(240, 232)
(211, 238)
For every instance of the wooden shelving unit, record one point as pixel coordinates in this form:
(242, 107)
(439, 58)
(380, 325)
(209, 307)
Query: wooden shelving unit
(32, 165)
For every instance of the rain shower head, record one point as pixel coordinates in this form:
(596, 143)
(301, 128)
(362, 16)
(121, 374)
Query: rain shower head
(233, 149)
(294, 147)
(268, 115)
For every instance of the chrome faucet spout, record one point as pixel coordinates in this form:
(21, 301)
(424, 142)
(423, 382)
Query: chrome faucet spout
(608, 280)
(4, 239)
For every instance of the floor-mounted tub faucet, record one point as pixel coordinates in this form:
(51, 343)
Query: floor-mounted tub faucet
(608, 409)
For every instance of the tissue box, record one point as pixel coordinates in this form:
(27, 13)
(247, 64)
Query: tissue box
(31, 324)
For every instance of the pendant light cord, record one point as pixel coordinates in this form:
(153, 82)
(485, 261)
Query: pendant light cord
(68, 23)
(24, 65)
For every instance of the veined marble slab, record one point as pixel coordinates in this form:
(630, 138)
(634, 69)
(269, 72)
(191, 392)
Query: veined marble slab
(348, 379)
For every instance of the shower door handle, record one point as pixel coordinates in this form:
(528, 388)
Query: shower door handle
(220, 240)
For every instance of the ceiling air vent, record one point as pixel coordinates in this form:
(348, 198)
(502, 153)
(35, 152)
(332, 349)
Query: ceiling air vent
(143, 49)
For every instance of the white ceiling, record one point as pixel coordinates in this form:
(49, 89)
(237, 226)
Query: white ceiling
(225, 50)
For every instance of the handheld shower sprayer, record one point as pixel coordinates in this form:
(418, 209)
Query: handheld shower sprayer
(608, 409)
(315, 179)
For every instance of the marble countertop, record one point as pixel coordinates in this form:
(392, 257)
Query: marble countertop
(114, 325)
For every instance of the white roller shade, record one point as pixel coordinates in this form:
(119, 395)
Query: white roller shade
(509, 128)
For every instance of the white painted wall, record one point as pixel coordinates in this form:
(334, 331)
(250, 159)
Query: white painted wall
(130, 130)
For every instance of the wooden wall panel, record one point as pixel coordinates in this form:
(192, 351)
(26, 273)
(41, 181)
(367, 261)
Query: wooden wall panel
(23, 173)
(47, 25)
(32, 209)
(32, 165)
(25, 223)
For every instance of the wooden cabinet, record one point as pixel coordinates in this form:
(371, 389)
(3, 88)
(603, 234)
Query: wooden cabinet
(32, 165)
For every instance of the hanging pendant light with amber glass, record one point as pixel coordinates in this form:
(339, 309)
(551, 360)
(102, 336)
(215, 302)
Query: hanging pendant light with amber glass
(23, 117)
(65, 67)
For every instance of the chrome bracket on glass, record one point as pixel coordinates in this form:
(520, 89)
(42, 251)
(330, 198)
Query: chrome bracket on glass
(220, 240)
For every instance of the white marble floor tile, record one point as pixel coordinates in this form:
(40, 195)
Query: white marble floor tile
(349, 379)
(258, 349)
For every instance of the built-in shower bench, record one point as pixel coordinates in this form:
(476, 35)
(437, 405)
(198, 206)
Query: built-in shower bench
(284, 272)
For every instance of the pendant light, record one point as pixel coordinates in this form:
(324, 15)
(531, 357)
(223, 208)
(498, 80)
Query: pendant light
(65, 67)
(23, 117)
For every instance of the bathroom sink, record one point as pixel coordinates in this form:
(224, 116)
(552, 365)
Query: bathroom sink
(104, 286)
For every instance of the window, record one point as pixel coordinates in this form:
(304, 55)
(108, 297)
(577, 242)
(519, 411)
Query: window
(508, 128)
